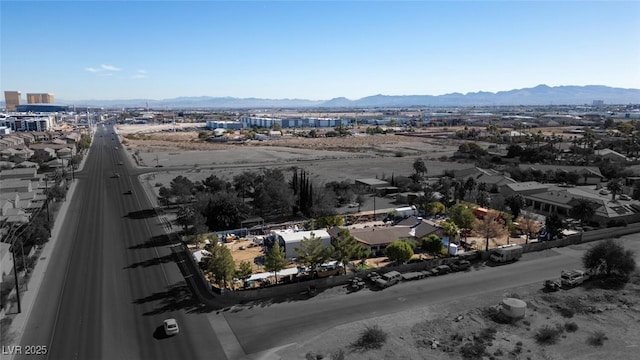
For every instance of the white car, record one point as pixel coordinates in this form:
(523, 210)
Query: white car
(171, 327)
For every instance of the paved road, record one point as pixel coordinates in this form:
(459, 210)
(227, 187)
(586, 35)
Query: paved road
(112, 280)
(290, 322)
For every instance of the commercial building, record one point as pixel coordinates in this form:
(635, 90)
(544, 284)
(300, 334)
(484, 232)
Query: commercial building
(12, 99)
(28, 122)
(41, 98)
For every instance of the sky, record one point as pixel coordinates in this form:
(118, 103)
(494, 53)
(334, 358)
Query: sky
(316, 50)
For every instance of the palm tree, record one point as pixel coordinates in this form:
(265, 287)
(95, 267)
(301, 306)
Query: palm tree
(450, 230)
(582, 210)
(615, 187)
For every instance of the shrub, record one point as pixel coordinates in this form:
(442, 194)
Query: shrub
(371, 338)
(487, 334)
(567, 313)
(597, 338)
(473, 350)
(547, 335)
(571, 326)
(338, 355)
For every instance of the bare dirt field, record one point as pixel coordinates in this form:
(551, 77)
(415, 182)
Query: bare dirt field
(326, 159)
(582, 323)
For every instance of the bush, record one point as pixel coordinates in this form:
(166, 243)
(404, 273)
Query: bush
(571, 327)
(547, 335)
(565, 312)
(338, 355)
(371, 338)
(597, 338)
(473, 350)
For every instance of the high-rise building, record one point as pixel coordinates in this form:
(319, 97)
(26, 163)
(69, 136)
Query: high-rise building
(39, 98)
(12, 99)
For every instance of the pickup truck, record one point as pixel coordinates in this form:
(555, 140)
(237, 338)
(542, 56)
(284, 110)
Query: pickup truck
(571, 278)
(388, 279)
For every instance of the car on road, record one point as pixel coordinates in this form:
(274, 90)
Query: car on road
(624, 197)
(128, 192)
(441, 270)
(115, 175)
(171, 327)
(120, 163)
(460, 265)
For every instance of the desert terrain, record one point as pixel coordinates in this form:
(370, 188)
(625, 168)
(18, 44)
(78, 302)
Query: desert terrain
(586, 322)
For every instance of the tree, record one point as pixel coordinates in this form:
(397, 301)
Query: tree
(610, 259)
(553, 225)
(450, 230)
(330, 221)
(312, 252)
(275, 261)
(582, 210)
(419, 167)
(220, 264)
(346, 247)
(528, 226)
(244, 271)
(399, 251)
(222, 210)
(490, 227)
(181, 188)
(615, 187)
(436, 208)
(185, 217)
(462, 216)
(483, 198)
(432, 244)
(515, 202)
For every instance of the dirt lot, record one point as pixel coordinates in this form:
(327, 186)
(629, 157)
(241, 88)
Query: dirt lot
(592, 323)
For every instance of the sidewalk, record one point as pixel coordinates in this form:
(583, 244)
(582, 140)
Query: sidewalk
(19, 322)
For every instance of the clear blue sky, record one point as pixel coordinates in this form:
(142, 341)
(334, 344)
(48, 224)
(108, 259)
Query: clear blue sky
(313, 50)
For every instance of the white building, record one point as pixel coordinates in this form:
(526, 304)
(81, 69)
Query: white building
(290, 239)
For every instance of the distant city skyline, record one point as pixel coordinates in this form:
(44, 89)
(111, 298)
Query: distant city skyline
(313, 50)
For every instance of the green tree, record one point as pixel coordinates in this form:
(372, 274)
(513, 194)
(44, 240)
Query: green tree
(615, 186)
(450, 230)
(220, 264)
(244, 271)
(582, 210)
(181, 187)
(553, 225)
(275, 261)
(399, 251)
(84, 142)
(330, 221)
(222, 210)
(436, 208)
(312, 252)
(346, 247)
(515, 202)
(185, 217)
(610, 259)
(483, 198)
(432, 244)
(462, 216)
(419, 167)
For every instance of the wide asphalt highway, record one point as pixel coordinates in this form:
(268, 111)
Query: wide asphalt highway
(112, 280)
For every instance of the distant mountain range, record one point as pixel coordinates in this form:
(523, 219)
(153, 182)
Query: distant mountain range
(539, 95)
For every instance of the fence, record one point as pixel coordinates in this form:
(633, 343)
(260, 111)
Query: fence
(337, 280)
